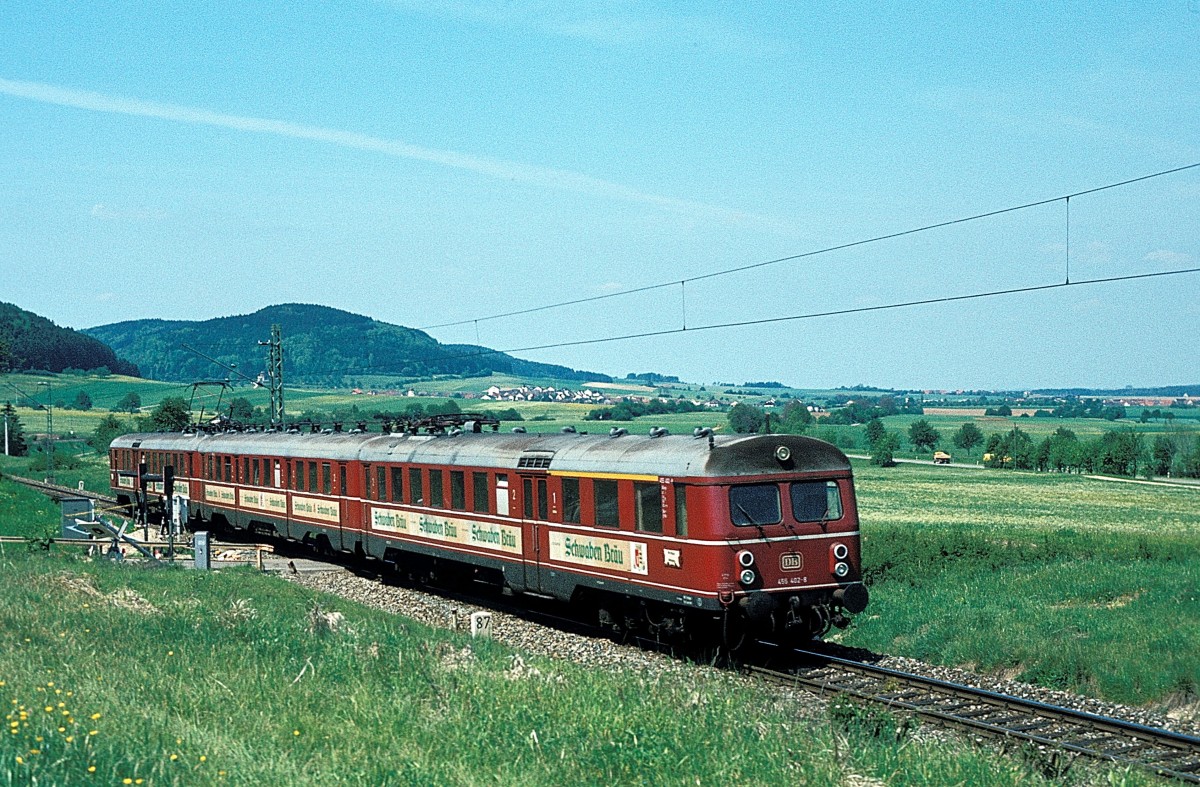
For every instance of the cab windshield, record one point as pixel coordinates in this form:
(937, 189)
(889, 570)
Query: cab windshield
(754, 505)
(815, 501)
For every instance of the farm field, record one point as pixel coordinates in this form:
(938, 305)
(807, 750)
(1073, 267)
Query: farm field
(1084, 585)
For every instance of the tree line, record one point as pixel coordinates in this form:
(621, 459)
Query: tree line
(1124, 452)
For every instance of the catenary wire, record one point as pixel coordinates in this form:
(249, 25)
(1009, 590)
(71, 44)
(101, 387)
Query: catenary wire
(815, 252)
(483, 352)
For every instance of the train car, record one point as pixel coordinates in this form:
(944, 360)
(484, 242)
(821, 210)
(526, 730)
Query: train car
(672, 534)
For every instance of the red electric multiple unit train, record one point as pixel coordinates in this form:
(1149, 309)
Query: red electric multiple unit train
(679, 535)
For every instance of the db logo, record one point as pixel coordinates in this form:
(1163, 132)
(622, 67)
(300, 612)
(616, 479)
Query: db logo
(791, 561)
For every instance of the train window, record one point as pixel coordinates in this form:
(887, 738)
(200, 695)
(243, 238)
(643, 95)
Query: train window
(228, 469)
(342, 480)
(479, 493)
(528, 489)
(245, 476)
(607, 509)
(754, 504)
(502, 494)
(416, 494)
(367, 482)
(542, 499)
(298, 476)
(571, 502)
(326, 478)
(681, 523)
(397, 484)
(647, 499)
(255, 466)
(436, 499)
(381, 477)
(814, 501)
(458, 490)
(279, 481)
(312, 476)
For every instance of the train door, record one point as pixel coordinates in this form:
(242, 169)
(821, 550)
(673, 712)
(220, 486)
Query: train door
(535, 502)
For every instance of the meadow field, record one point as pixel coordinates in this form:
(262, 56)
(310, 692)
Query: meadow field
(1086, 585)
(1078, 584)
(120, 674)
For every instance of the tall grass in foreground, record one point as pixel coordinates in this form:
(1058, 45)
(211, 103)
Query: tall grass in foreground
(1070, 583)
(114, 674)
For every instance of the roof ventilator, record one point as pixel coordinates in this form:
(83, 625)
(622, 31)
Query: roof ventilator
(658, 431)
(617, 431)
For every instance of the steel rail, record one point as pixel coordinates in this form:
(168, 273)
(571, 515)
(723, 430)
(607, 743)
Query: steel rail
(996, 715)
(58, 492)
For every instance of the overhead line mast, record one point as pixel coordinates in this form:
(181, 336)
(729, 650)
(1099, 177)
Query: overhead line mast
(275, 376)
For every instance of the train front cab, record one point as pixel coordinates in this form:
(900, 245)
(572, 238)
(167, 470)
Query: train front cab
(793, 563)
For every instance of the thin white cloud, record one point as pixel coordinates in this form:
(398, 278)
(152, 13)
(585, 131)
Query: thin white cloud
(103, 211)
(491, 167)
(608, 23)
(1168, 257)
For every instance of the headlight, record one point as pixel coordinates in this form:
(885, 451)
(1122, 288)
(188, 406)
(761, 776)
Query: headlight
(745, 558)
(841, 570)
(747, 576)
(840, 551)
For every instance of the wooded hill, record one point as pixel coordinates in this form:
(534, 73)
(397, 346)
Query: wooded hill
(29, 341)
(321, 346)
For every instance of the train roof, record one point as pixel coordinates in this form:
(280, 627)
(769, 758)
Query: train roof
(665, 456)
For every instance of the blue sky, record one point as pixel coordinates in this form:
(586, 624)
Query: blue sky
(429, 162)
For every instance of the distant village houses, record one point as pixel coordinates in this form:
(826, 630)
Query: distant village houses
(537, 393)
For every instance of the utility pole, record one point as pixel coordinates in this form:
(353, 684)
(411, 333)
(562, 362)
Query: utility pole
(49, 432)
(275, 376)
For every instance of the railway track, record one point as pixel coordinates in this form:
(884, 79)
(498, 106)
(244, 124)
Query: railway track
(56, 492)
(981, 712)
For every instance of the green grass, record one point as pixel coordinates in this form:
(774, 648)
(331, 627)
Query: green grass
(26, 513)
(180, 677)
(1072, 583)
